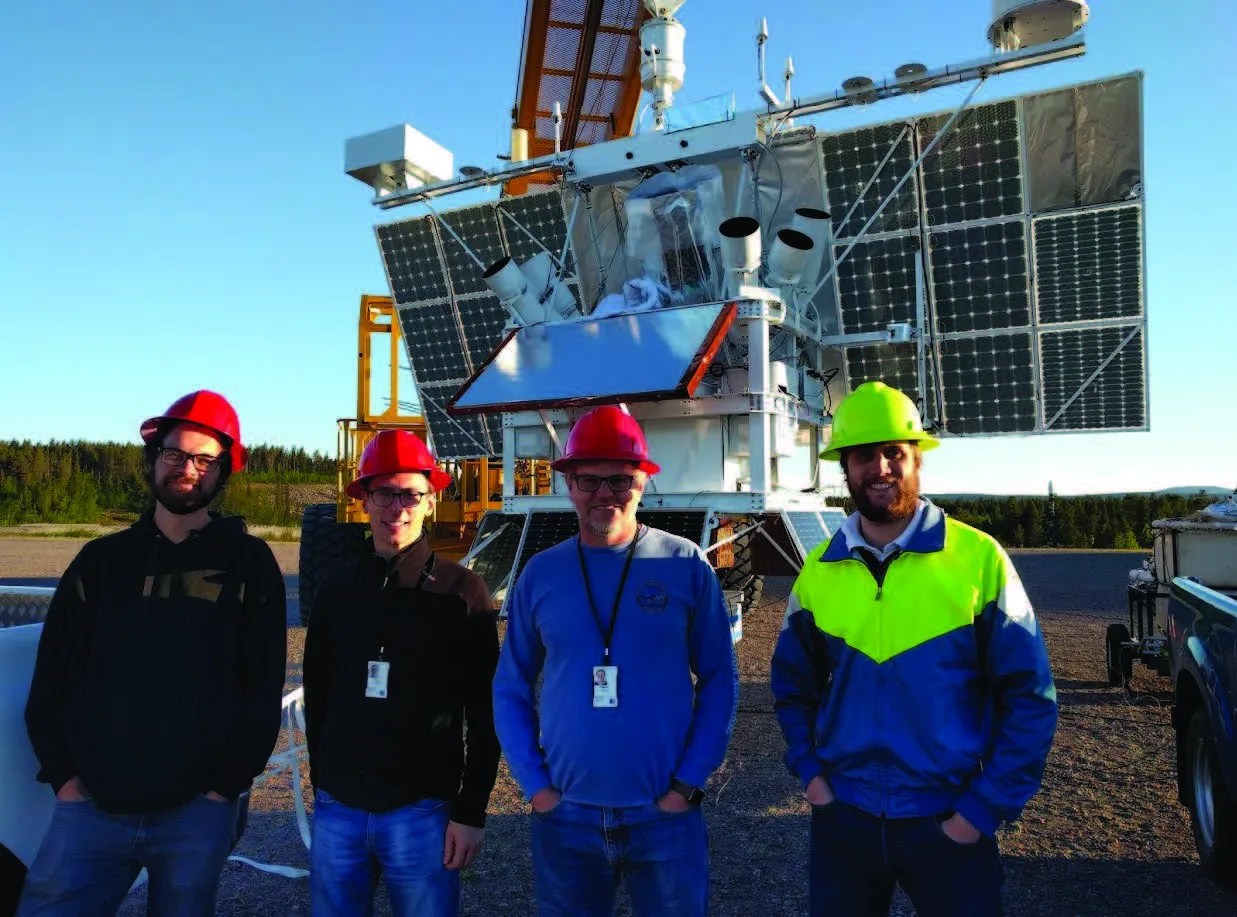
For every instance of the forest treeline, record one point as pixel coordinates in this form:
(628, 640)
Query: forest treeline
(93, 482)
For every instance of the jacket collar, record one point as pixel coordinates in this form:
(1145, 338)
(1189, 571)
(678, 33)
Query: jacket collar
(926, 539)
(406, 567)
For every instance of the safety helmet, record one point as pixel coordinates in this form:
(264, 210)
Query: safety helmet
(875, 413)
(204, 409)
(606, 434)
(393, 451)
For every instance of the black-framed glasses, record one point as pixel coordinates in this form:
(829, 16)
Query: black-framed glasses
(410, 498)
(618, 483)
(203, 461)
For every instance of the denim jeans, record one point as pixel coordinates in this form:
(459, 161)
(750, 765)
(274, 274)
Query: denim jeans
(855, 860)
(580, 853)
(90, 858)
(352, 848)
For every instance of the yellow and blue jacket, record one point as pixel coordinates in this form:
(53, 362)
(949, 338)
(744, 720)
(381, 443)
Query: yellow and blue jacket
(917, 685)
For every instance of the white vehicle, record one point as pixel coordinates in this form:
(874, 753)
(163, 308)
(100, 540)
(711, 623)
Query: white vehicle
(27, 804)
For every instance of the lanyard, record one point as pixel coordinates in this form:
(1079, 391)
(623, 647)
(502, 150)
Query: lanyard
(606, 635)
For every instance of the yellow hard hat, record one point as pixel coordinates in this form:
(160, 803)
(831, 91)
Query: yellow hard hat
(875, 413)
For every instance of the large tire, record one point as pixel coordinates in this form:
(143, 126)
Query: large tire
(1118, 660)
(326, 545)
(1213, 811)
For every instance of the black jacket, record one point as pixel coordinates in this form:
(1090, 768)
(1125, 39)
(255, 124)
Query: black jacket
(161, 667)
(432, 621)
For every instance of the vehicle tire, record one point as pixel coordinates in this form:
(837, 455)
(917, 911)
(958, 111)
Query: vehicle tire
(325, 546)
(1117, 658)
(1213, 811)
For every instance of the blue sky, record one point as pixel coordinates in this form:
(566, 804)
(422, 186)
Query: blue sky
(176, 215)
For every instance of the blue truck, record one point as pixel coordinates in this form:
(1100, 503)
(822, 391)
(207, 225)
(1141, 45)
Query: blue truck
(1201, 623)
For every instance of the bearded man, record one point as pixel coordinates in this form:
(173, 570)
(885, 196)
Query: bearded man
(157, 687)
(911, 684)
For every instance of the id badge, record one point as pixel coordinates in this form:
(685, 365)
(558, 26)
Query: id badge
(605, 686)
(376, 678)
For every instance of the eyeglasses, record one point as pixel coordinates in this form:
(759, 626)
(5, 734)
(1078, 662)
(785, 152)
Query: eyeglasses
(203, 462)
(384, 498)
(618, 483)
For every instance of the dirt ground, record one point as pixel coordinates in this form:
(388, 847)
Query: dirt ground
(1105, 835)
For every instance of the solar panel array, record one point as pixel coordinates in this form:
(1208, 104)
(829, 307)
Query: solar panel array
(450, 319)
(1035, 319)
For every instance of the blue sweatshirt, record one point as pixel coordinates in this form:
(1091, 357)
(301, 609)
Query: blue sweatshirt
(672, 623)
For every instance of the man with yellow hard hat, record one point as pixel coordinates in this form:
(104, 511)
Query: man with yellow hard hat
(911, 683)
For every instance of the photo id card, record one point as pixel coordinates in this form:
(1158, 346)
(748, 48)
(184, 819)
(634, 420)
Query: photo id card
(376, 678)
(605, 686)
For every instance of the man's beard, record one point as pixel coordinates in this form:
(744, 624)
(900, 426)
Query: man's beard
(903, 505)
(184, 502)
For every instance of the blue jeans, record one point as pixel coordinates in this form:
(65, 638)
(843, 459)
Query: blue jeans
(352, 848)
(90, 858)
(855, 860)
(580, 853)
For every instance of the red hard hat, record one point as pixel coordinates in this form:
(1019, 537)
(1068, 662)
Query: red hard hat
(392, 451)
(606, 434)
(204, 409)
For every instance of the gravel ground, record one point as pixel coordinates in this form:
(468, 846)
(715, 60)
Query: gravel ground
(1106, 834)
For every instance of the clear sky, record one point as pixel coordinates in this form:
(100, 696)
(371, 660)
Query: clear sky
(175, 213)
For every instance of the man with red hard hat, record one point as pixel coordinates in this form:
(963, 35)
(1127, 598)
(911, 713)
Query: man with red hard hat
(157, 688)
(399, 662)
(615, 750)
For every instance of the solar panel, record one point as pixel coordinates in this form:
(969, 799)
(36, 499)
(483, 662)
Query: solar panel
(485, 318)
(1007, 285)
(478, 227)
(979, 277)
(975, 172)
(1088, 265)
(544, 530)
(989, 384)
(413, 264)
(894, 365)
(686, 523)
(451, 321)
(432, 339)
(851, 159)
(454, 437)
(499, 533)
(811, 528)
(1114, 399)
(542, 216)
(876, 283)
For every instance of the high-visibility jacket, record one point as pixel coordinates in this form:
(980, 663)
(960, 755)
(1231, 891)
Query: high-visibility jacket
(918, 685)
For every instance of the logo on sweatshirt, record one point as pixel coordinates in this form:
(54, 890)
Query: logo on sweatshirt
(652, 597)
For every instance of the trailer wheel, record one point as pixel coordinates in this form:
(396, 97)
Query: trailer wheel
(1118, 659)
(1213, 812)
(326, 544)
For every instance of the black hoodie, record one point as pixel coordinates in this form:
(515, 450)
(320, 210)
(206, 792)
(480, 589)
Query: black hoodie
(161, 667)
(433, 735)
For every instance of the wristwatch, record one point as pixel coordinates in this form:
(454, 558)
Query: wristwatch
(693, 794)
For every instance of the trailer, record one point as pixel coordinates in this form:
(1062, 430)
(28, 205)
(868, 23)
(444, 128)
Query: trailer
(1202, 548)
